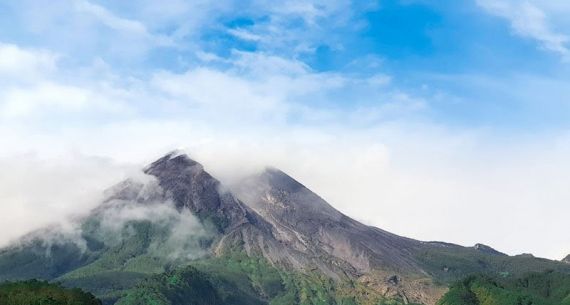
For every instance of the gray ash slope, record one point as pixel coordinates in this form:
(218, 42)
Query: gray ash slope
(303, 220)
(269, 215)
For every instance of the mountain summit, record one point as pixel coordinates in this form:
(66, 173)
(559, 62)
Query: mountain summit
(181, 215)
(188, 185)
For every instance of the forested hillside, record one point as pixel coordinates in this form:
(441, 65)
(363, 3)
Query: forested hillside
(34, 292)
(547, 288)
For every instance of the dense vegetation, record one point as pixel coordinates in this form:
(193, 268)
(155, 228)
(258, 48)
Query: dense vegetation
(238, 279)
(241, 280)
(34, 292)
(183, 286)
(449, 263)
(547, 288)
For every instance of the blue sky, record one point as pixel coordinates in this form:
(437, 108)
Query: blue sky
(441, 107)
(469, 61)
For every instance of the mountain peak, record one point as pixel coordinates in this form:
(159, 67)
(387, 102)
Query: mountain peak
(174, 160)
(188, 185)
(279, 179)
(566, 259)
(275, 190)
(486, 249)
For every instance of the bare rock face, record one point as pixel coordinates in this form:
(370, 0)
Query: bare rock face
(566, 259)
(301, 218)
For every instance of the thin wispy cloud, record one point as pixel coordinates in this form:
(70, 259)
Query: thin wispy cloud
(529, 20)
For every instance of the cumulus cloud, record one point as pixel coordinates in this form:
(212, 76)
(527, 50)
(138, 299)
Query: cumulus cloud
(33, 83)
(173, 234)
(38, 191)
(22, 102)
(21, 64)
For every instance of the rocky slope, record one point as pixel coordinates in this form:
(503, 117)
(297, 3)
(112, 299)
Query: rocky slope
(306, 222)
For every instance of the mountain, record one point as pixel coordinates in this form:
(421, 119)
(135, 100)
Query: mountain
(178, 232)
(566, 259)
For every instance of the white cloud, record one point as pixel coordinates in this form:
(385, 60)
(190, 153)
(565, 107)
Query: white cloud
(24, 85)
(527, 19)
(130, 27)
(244, 34)
(127, 32)
(185, 231)
(268, 89)
(262, 64)
(81, 31)
(24, 64)
(24, 101)
(313, 12)
(38, 191)
(33, 83)
(209, 57)
(110, 19)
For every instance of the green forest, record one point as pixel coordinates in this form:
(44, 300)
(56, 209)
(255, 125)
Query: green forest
(547, 288)
(34, 292)
(242, 280)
